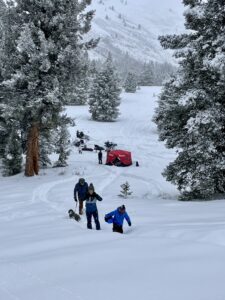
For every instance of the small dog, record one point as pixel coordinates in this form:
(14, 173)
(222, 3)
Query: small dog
(73, 215)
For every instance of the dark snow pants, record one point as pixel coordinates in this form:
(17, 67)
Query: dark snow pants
(93, 214)
(81, 205)
(117, 228)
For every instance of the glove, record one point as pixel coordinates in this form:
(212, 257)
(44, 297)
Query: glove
(129, 223)
(109, 220)
(75, 199)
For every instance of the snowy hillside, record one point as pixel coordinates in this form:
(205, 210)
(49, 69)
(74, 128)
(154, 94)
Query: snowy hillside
(174, 250)
(134, 26)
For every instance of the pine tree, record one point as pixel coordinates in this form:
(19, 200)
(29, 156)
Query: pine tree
(12, 158)
(79, 95)
(10, 129)
(46, 40)
(2, 29)
(146, 77)
(104, 96)
(5, 108)
(78, 88)
(130, 84)
(62, 143)
(3, 131)
(47, 142)
(125, 192)
(191, 112)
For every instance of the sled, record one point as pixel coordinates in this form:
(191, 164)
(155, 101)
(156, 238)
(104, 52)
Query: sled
(98, 148)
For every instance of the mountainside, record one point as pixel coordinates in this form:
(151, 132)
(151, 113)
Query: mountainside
(134, 26)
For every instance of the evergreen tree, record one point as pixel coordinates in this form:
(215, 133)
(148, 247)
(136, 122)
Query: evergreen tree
(62, 144)
(47, 141)
(104, 96)
(9, 129)
(191, 112)
(125, 192)
(45, 42)
(79, 95)
(2, 30)
(78, 89)
(146, 77)
(3, 131)
(12, 158)
(130, 84)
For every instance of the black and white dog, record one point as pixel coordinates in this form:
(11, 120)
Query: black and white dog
(73, 215)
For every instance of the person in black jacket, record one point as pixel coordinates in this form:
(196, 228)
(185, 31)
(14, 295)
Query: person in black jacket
(80, 192)
(91, 207)
(100, 157)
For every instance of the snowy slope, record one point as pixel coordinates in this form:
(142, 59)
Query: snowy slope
(134, 26)
(173, 251)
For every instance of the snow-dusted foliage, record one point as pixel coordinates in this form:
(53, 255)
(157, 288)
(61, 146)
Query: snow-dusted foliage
(105, 94)
(78, 87)
(146, 77)
(79, 95)
(11, 143)
(191, 112)
(130, 84)
(62, 146)
(47, 142)
(41, 54)
(12, 158)
(125, 190)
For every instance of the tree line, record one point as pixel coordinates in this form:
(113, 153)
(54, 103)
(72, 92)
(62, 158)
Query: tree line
(191, 111)
(41, 63)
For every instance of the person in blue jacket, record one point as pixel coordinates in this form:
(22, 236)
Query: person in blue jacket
(80, 192)
(117, 217)
(91, 207)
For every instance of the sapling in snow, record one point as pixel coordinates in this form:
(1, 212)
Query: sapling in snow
(125, 192)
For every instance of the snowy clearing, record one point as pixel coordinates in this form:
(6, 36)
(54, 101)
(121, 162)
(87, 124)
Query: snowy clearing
(174, 250)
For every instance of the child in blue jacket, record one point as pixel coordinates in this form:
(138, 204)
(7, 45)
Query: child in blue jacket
(117, 217)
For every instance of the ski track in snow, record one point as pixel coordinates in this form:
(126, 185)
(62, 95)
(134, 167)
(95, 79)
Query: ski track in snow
(45, 255)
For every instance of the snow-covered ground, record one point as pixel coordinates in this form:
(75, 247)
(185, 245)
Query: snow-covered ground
(174, 250)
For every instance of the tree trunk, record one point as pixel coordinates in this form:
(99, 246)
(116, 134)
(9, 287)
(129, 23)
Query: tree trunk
(32, 155)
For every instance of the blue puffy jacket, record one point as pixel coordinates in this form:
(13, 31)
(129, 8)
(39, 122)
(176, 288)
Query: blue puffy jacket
(81, 190)
(117, 217)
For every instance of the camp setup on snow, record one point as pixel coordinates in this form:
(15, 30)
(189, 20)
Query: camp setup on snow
(119, 158)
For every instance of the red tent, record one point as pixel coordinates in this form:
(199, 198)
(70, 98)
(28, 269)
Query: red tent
(119, 158)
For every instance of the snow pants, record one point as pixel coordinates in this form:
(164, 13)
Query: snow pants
(93, 214)
(117, 228)
(81, 205)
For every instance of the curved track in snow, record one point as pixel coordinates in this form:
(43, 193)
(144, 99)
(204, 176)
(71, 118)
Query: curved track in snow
(45, 255)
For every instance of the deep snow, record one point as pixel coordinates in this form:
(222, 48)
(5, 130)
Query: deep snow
(174, 250)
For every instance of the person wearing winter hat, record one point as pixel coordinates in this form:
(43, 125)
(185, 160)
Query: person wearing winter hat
(117, 217)
(80, 191)
(91, 207)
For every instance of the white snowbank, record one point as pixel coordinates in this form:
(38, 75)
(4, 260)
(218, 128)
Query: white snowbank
(173, 251)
